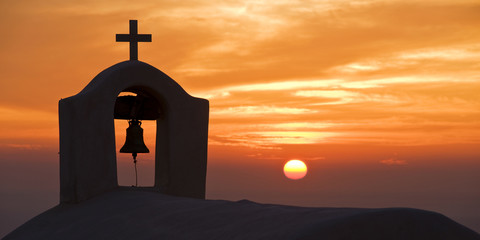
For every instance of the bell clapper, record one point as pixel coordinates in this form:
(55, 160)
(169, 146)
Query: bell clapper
(135, 164)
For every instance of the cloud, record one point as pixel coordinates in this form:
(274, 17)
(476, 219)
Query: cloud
(242, 141)
(393, 161)
(270, 139)
(258, 110)
(25, 146)
(365, 71)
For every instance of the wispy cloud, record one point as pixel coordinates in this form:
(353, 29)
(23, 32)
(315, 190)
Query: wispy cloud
(24, 146)
(346, 71)
(393, 161)
(258, 110)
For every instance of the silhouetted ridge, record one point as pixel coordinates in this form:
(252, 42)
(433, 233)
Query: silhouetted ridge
(127, 214)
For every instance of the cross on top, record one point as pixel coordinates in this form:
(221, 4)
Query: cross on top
(133, 37)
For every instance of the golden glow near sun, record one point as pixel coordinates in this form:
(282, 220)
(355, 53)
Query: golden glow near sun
(295, 169)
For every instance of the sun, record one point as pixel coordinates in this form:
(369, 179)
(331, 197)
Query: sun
(295, 169)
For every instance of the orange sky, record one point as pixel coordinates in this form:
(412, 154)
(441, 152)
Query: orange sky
(369, 85)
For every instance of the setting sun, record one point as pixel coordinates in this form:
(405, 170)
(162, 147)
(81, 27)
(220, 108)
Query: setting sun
(295, 169)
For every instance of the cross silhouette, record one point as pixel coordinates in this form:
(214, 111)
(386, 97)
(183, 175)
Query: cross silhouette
(133, 37)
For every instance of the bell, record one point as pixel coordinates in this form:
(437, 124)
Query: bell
(134, 142)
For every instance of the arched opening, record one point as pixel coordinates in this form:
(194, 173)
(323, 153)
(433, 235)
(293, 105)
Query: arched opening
(88, 156)
(144, 174)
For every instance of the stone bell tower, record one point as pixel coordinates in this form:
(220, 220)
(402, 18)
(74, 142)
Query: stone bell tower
(87, 133)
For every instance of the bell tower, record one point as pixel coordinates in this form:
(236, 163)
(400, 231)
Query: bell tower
(87, 133)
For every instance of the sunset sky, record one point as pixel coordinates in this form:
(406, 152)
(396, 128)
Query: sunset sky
(381, 99)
